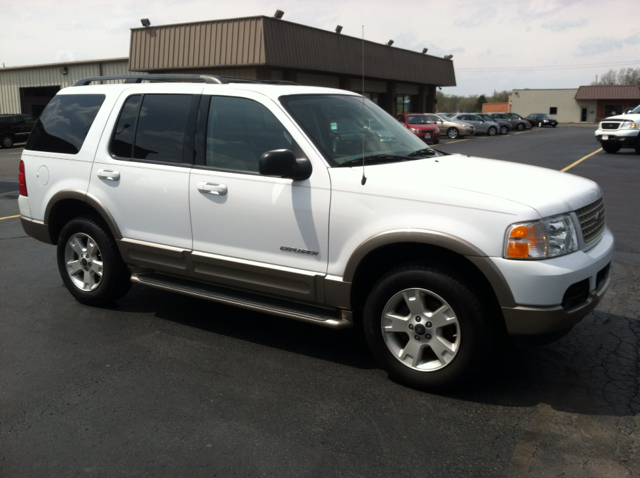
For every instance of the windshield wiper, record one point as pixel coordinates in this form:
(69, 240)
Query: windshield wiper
(380, 159)
(423, 152)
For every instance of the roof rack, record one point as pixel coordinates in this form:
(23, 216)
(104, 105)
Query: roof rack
(179, 77)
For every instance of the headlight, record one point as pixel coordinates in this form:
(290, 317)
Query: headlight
(629, 125)
(437, 130)
(550, 237)
(546, 121)
(415, 130)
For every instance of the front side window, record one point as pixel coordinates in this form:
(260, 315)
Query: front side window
(64, 123)
(345, 128)
(239, 130)
(152, 127)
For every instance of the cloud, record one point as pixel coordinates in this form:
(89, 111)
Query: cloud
(559, 24)
(477, 19)
(596, 46)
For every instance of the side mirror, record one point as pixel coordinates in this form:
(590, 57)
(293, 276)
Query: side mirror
(283, 163)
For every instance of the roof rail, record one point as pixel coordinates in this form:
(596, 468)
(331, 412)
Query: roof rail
(178, 77)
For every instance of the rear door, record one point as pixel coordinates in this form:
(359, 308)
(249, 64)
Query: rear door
(141, 174)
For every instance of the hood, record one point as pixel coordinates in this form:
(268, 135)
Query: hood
(423, 127)
(464, 181)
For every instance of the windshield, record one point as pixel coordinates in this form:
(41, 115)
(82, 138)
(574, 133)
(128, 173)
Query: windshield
(418, 119)
(636, 110)
(347, 128)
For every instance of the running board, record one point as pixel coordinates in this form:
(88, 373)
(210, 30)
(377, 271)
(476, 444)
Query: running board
(337, 319)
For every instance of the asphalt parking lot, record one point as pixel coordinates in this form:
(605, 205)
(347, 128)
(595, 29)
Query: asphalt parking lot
(165, 385)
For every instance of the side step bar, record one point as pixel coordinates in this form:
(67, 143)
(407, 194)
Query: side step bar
(332, 318)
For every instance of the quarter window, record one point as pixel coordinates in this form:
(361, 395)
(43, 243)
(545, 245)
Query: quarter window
(64, 123)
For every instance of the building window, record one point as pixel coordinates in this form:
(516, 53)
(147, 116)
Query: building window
(553, 110)
(403, 104)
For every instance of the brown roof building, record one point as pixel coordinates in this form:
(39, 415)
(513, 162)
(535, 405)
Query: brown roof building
(272, 49)
(611, 100)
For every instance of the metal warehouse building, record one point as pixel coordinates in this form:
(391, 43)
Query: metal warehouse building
(260, 47)
(587, 104)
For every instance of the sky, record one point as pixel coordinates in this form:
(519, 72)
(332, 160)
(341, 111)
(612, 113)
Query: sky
(495, 45)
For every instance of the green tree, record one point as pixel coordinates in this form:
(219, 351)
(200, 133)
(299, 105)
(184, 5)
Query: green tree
(479, 102)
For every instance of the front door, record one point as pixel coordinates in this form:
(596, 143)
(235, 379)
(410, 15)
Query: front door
(255, 232)
(583, 114)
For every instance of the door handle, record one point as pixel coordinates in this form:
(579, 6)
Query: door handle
(109, 175)
(219, 189)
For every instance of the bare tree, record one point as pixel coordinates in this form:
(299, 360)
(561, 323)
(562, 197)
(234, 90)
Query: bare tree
(628, 76)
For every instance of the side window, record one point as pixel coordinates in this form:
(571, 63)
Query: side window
(239, 130)
(64, 123)
(152, 127)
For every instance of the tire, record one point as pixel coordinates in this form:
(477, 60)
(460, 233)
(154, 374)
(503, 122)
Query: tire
(504, 129)
(611, 148)
(520, 127)
(554, 125)
(540, 124)
(492, 131)
(90, 264)
(6, 141)
(637, 148)
(452, 133)
(446, 328)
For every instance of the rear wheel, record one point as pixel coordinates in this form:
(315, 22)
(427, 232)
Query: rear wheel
(426, 328)
(610, 148)
(90, 264)
(452, 133)
(6, 141)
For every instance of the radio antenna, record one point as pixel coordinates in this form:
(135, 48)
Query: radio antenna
(364, 178)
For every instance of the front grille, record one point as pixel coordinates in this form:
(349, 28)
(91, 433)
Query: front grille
(591, 219)
(610, 125)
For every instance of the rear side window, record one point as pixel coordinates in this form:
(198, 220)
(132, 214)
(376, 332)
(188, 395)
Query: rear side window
(152, 127)
(64, 123)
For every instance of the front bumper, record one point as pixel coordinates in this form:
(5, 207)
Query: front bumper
(617, 136)
(555, 294)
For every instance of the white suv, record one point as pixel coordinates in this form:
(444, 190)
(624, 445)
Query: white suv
(313, 204)
(621, 131)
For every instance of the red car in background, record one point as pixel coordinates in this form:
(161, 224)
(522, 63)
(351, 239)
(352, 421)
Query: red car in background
(421, 125)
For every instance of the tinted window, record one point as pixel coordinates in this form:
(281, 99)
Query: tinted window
(161, 128)
(123, 135)
(64, 123)
(239, 131)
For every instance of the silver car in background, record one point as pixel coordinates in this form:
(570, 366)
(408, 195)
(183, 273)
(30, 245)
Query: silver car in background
(452, 129)
(488, 127)
(516, 121)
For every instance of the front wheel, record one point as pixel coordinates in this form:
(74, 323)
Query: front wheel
(504, 130)
(452, 133)
(492, 131)
(426, 328)
(90, 264)
(435, 141)
(610, 148)
(540, 124)
(520, 126)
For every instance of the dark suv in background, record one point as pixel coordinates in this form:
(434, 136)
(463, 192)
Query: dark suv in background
(15, 128)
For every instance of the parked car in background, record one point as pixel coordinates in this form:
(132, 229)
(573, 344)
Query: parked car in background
(517, 122)
(451, 129)
(482, 126)
(504, 125)
(543, 119)
(621, 131)
(15, 128)
(421, 126)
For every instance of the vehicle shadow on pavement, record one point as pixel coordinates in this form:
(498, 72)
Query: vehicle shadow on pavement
(347, 347)
(594, 370)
